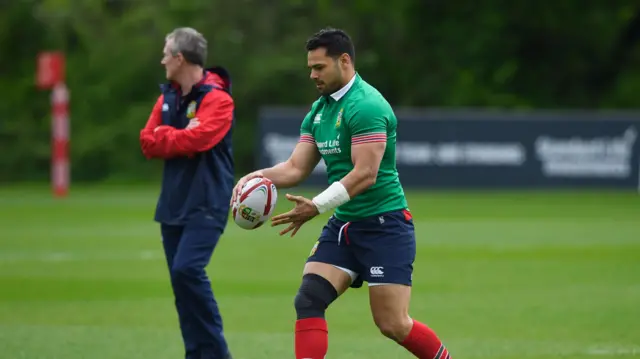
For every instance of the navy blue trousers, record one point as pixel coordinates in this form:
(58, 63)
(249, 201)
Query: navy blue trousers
(188, 250)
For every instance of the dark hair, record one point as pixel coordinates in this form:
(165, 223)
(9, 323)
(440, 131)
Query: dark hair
(335, 41)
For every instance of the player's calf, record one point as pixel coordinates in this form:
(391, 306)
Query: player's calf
(311, 302)
(423, 342)
(390, 308)
(321, 284)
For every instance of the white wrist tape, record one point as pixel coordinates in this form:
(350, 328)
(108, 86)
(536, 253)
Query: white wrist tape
(332, 197)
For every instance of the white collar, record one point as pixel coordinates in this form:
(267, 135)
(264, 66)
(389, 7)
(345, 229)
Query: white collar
(343, 91)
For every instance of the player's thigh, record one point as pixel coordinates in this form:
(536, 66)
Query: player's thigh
(390, 306)
(385, 247)
(332, 259)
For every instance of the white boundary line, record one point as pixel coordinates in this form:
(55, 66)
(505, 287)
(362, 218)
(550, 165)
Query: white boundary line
(61, 256)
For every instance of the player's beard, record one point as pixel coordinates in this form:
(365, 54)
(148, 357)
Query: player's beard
(336, 82)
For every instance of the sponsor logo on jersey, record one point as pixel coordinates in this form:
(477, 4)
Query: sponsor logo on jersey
(330, 147)
(339, 119)
(191, 110)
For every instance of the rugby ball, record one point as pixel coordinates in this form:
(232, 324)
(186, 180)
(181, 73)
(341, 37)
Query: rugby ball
(255, 204)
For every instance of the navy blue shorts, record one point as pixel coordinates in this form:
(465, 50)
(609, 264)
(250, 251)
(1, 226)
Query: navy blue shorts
(379, 249)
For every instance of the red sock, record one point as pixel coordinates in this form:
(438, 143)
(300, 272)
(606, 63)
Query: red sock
(424, 343)
(312, 338)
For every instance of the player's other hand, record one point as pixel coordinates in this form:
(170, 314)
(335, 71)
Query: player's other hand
(193, 123)
(303, 211)
(242, 182)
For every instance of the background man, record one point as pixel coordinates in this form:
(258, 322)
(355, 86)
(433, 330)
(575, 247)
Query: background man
(190, 129)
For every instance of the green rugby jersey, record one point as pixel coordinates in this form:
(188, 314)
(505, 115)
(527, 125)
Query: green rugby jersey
(356, 114)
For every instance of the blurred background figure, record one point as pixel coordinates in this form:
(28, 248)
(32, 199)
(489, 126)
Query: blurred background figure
(190, 128)
(517, 144)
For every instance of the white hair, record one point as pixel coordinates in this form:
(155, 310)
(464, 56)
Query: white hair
(190, 43)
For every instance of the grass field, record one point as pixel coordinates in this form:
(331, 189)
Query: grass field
(498, 275)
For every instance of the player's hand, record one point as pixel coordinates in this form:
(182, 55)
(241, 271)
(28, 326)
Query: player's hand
(299, 215)
(292, 227)
(161, 128)
(242, 182)
(193, 123)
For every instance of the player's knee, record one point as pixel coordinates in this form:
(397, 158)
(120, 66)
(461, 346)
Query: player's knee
(314, 296)
(396, 328)
(181, 271)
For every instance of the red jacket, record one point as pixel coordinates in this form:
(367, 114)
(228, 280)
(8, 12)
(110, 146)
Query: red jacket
(215, 115)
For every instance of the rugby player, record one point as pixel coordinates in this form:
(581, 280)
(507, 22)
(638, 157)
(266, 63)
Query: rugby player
(370, 237)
